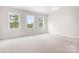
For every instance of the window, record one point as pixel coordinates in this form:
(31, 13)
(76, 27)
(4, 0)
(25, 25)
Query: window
(30, 21)
(14, 20)
(41, 22)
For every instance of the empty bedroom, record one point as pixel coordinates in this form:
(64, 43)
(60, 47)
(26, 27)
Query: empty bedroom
(39, 29)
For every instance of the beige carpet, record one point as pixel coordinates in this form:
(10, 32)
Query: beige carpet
(45, 43)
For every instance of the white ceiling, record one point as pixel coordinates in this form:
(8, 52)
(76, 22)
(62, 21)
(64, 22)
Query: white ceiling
(40, 9)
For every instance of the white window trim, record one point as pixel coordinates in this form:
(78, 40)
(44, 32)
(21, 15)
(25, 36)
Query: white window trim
(9, 20)
(33, 22)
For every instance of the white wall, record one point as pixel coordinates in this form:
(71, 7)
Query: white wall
(65, 21)
(7, 33)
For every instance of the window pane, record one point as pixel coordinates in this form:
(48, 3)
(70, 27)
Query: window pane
(14, 20)
(30, 21)
(41, 22)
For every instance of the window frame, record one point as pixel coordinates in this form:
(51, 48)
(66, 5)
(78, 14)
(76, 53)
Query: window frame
(15, 13)
(43, 18)
(33, 22)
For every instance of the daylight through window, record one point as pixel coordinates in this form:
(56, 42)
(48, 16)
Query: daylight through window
(41, 22)
(14, 20)
(30, 21)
